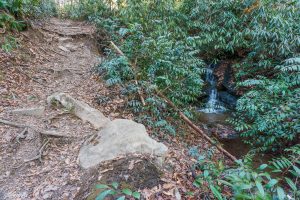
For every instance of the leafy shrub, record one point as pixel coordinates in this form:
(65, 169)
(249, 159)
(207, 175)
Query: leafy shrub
(8, 10)
(277, 180)
(268, 115)
(14, 12)
(9, 44)
(40, 8)
(113, 189)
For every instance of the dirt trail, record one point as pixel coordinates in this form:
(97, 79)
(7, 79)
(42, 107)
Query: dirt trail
(54, 56)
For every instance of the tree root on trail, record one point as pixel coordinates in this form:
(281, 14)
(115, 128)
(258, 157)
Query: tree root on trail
(39, 155)
(42, 132)
(22, 135)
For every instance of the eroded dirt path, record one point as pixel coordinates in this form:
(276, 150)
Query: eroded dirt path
(54, 56)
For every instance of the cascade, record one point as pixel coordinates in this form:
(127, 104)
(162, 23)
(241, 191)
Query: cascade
(213, 105)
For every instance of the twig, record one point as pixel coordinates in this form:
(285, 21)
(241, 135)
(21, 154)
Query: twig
(22, 135)
(44, 57)
(12, 124)
(38, 156)
(57, 52)
(44, 51)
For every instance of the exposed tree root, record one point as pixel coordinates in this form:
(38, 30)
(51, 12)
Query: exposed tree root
(43, 132)
(22, 135)
(40, 154)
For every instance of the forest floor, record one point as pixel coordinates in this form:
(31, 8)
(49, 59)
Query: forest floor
(60, 56)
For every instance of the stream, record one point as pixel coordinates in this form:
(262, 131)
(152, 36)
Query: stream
(214, 114)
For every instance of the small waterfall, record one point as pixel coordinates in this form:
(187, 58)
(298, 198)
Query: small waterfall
(212, 105)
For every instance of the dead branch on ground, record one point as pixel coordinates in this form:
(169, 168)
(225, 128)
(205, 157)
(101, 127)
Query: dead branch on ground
(196, 128)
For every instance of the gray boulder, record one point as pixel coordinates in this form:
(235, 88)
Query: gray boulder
(119, 137)
(229, 99)
(80, 109)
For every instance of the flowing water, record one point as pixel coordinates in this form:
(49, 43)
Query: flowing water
(214, 114)
(213, 105)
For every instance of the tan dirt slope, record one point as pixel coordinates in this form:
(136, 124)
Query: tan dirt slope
(53, 56)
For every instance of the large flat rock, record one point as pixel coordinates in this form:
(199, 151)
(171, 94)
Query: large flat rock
(119, 137)
(80, 109)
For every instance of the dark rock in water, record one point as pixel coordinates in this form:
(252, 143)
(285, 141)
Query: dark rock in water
(228, 81)
(220, 78)
(229, 99)
(224, 132)
(225, 77)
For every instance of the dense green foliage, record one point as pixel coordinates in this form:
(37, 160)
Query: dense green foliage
(260, 35)
(8, 10)
(13, 14)
(269, 112)
(115, 190)
(165, 44)
(268, 181)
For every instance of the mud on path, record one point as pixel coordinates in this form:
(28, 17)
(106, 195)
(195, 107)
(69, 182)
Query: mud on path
(53, 56)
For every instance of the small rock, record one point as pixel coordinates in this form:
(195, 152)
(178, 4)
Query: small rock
(2, 195)
(47, 195)
(63, 48)
(64, 39)
(50, 188)
(24, 195)
(36, 111)
(177, 194)
(71, 47)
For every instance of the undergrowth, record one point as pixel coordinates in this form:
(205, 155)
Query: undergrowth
(13, 16)
(279, 179)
